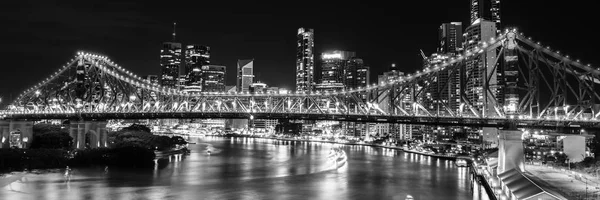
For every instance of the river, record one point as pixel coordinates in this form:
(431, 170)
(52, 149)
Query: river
(255, 168)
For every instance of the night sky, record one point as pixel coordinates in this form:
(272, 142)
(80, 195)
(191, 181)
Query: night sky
(38, 37)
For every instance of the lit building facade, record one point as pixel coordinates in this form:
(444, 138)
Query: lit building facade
(333, 65)
(245, 74)
(213, 78)
(478, 67)
(305, 60)
(153, 79)
(181, 82)
(196, 56)
(450, 38)
(356, 74)
(395, 131)
(170, 61)
(258, 87)
(488, 10)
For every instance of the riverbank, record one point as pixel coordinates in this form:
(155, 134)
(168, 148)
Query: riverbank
(174, 151)
(347, 143)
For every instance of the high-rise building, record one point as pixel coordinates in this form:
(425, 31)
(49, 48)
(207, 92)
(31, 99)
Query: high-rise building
(480, 70)
(486, 10)
(245, 74)
(181, 82)
(450, 38)
(153, 79)
(356, 74)
(397, 131)
(258, 87)
(196, 56)
(333, 65)
(213, 78)
(305, 60)
(446, 86)
(170, 61)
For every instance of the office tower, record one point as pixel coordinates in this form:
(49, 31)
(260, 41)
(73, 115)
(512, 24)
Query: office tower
(356, 74)
(181, 83)
(196, 56)
(447, 88)
(305, 60)
(488, 10)
(258, 87)
(450, 38)
(245, 74)
(153, 79)
(477, 68)
(395, 130)
(333, 65)
(170, 61)
(213, 78)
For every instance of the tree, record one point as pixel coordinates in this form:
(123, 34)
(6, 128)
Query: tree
(45, 128)
(560, 157)
(595, 145)
(52, 140)
(137, 127)
(178, 140)
(50, 136)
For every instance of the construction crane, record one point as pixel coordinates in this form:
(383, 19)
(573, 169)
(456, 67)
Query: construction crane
(423, 54)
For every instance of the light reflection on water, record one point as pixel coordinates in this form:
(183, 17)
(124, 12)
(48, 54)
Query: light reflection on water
(249, 168)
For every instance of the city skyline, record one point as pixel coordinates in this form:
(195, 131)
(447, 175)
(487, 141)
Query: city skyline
(378, 49)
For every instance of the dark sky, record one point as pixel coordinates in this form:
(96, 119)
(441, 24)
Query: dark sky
(39, 36)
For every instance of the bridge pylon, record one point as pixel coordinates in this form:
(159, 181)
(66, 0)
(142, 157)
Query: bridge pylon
(19, 133)
(88, 134)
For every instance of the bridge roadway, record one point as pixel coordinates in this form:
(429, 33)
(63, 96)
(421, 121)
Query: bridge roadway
(469, 121)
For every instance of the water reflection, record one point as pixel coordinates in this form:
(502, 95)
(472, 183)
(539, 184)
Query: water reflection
(248, 168)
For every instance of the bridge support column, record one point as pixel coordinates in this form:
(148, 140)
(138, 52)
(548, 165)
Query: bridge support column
(490, 137)
(94, 130)
(23, 128)
(97, 133)
(76, 132)
(510, 151)
(574, 147)
(4, 134)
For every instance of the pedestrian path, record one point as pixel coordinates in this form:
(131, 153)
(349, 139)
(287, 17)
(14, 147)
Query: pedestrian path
(570, 184)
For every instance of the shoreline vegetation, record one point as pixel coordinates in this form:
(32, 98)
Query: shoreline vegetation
(131, 147)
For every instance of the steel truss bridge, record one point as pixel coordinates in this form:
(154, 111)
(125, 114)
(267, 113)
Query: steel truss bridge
(523, 84)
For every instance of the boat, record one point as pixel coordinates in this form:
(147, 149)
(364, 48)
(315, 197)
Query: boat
(338, 156)
(461, 162)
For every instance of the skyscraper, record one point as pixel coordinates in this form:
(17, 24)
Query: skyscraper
(196, 56)
(153, 79)
(486, 10)
(245, 74)
(480, 70)
(213, 78)
(446, 89)
(356, 74)
(396, 131)
(170, 61)
(450, 38)
(305, 60)
(333, 67)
